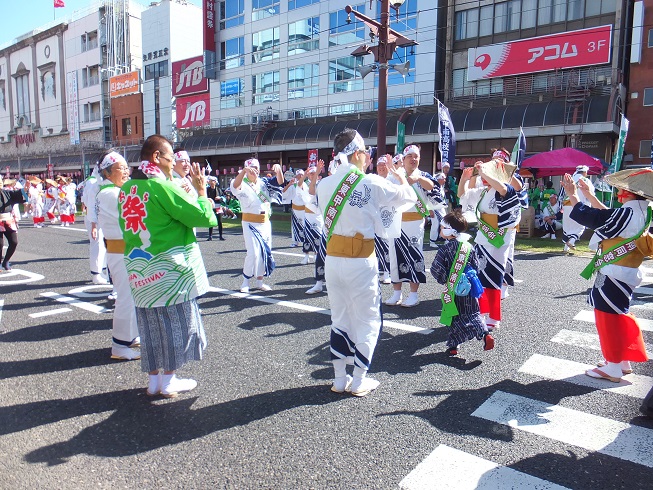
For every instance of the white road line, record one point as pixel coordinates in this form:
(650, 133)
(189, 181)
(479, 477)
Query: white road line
(590, 432)
(313, 309)
(72, 228)
(556, 369)
(75, 302)
(6, 277)
(581, 339)
(56, 311)
(644, 290)
(447, 468)
(588, 316)
(2, 305)
(287, 253)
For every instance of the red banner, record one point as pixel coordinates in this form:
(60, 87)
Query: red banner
(59, 3)
(188, 77)
(194, 110)
(312, 158)
(563, 50)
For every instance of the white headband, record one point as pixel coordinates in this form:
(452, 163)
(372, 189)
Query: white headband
(382, 159)
(252, 162)
(411, 150)
(181, 155)
(582, 168)
(110, 159)
(398, 158)
(357, 144)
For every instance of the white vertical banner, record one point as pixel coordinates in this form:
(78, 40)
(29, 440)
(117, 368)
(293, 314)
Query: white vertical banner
(73, 107)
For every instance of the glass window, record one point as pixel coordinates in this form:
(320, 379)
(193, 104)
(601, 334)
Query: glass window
(295, 4)
(485, 24)
(559, 10)
(265, 45)
(231, 93)
(466, 24)
(265, 87)
(500, 17)
(645, 150)
(126, 126)
(264, 8)
(650, 38)
(544, 12)
(593, 7)
(460, 86)
(303, 36)
(528, 14)
(342, 75)
(303, 81)
(345, 109)
(232, 13)
(574, 9)
(402, 55)
(22, 95)
(513, 15)
(406, 18)
(232, 53)
(340, 32)
(648, 97)
(607, 6)
(156, 70)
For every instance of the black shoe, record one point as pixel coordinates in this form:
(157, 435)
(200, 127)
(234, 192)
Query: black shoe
(209, 239)
(6, 266)
(221, 238)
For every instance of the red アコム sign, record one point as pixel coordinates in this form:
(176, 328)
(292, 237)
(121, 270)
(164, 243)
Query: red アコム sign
(563, 50)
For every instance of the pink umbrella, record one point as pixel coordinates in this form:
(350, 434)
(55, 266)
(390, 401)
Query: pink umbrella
(563, 161)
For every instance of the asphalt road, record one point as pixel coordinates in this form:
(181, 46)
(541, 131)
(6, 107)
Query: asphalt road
(263, 415)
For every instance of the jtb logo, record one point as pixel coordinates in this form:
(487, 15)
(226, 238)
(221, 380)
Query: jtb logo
(195, 112)
(191, 76)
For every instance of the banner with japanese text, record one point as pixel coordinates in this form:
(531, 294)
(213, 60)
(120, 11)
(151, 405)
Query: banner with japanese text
(447, 144)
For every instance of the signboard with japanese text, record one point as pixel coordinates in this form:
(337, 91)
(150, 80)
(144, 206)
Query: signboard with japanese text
(125, 84)
(194, 110)
(73, 107)
(209, 17)
(188, 77)
(584, 47)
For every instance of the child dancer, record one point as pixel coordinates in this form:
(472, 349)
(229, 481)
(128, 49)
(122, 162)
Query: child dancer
(460, 313)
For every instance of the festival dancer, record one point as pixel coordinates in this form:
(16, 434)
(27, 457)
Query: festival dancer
(115, 172)
(460, 309)
(164, 265)
(8, 222)
(438, 200)
(350, 202)
(34, 191)
(97, 249)
(497, 210)
(381, 245)
(63, 201)
(625, 241)
(51, 197)
(572, 230)
(406, 252)
(213, 194)
(297, 214)
(256, 195)
(313, 225)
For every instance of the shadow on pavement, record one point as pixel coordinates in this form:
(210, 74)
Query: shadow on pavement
(137, 426)
(66, 362)
(56, 330)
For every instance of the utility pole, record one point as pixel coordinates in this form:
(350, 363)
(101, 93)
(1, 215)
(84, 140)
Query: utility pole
(388, 41)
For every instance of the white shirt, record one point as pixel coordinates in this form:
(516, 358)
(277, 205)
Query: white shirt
(107, 212)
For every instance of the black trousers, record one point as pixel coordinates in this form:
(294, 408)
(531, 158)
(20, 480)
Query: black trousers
(12, 243)
(219, 216)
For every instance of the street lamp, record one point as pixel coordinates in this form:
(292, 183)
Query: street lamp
(388, 41)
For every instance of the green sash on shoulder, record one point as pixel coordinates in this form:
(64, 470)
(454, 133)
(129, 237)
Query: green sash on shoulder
(262, 197)
(493, 235)
(420, 204)
(449, 309)
(339, 198)
(615, 253)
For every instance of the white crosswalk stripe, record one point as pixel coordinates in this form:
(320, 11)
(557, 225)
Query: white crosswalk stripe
(632, 385)
(581, 339)
(588, 316)
(448, 468)
(590, 432)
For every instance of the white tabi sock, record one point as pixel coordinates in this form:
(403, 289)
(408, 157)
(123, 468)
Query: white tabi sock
(340, 367)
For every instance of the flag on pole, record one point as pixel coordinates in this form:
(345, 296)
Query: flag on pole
(619, 151)
(447, 144)
(208, 167)
(519, 150)
(59, 4)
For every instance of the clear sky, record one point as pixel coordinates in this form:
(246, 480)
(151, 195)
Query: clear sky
(19, 17)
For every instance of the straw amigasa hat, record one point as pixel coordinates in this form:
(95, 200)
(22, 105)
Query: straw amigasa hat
(498, 170)
(34, 179)
(638, 181)
(51, 182)
(9, 182)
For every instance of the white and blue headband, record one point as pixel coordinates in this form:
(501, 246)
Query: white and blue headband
(110, 159)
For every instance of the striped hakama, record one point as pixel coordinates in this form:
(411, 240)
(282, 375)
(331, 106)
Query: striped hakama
(171, 336)
(259, 260)
(406, 254)
(316, 241)
(468, 324)
(382, 250)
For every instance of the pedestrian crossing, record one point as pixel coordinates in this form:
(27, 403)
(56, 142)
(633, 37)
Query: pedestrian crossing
(448, 468)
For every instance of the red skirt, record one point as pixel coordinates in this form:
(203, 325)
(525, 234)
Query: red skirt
(620, 336)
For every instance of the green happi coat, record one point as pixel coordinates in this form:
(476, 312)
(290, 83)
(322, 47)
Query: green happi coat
(163, 259)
